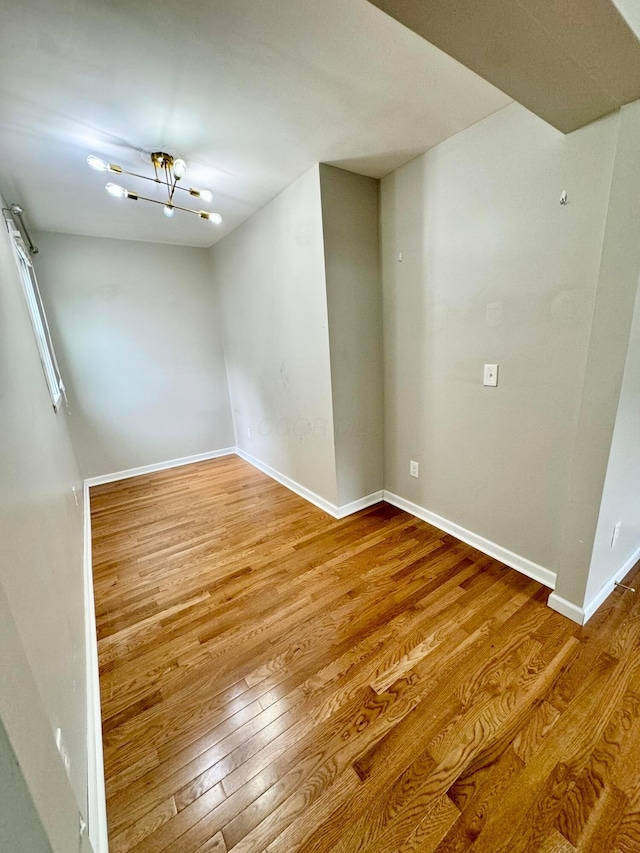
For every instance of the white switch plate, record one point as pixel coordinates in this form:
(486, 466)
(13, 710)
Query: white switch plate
(413, 468)
(490, 375)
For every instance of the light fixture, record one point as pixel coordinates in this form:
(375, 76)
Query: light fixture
(115, 190)
(168, 171)
(212, 217)
(100, 165)
(205, 195)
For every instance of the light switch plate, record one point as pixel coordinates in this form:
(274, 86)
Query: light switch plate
(490, 375)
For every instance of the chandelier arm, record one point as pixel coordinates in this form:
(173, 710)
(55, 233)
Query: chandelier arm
(159, 181)
(144, 177)
(137, 197)
(185, 190)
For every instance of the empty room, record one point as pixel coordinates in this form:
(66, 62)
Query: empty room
(320, 426)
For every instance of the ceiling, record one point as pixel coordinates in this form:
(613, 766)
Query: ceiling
(251, 93)
(569, 61)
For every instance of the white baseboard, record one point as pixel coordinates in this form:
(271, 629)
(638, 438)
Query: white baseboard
(362, 503)
(96, 797)
(307, 494)
(581, 615)
(158, 466)
(605, 591)
(571, 611)
(492, 549)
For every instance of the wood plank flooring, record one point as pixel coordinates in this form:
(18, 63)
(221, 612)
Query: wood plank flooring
(275, 680)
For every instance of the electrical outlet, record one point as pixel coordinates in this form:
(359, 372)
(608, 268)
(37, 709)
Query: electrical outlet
(413, 469)
(249, 433)
(75, 495)
(616, 533)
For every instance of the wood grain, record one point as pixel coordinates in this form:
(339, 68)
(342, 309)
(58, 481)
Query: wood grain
(276, 680)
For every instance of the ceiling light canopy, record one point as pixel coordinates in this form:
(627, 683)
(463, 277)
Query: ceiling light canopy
(168, 170)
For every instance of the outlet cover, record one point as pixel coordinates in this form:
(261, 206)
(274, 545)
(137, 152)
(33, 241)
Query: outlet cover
(413, 469)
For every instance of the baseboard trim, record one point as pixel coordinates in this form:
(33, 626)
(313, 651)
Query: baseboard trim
(158, 466)
(96, 796)
(322, 503)
(566, 608)
(581, 615)
(492, 549)
(606, 590)
(362, 503)
(292, 485)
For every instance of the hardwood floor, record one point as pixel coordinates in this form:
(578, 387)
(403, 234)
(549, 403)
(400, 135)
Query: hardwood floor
(275, 680)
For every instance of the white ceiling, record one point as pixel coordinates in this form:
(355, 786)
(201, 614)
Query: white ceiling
(251, 93)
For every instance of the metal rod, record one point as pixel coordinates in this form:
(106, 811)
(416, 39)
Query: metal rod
(16, 211)
(158, 181)
(623, 586)
(135, 197)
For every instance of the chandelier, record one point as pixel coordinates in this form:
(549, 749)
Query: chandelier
(168, 171)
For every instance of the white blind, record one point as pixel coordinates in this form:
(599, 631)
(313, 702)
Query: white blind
(38, 316)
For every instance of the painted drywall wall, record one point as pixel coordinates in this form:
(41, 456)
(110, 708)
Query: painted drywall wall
(42, 663)
(270, 278)
(136, 330)
(612, 316)
(27, 725)
(482, 264)
(351, 258)
(21, 829)
(621, 495)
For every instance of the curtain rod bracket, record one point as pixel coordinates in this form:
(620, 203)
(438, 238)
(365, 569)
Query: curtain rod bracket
(17, 210)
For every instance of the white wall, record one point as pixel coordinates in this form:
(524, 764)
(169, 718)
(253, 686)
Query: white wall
(137, 335)
(271, 281)
(351, 257)
(21, 829)
(619, 270)
(493, 269)
(621, 495)
(42, 662)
